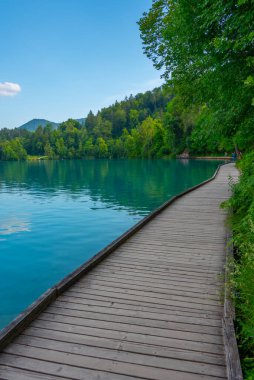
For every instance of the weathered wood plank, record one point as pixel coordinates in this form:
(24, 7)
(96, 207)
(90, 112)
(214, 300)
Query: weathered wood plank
(80, 367)
(170, 284)
(125, 346)
(145, 285)
(91, 301)
(134, 296)
(144, 315)
(130, 336)
(60, 370)
(131, 328)
(146, 292)
(183, 307)
(10, 373)
(125, 357)
(131, 320)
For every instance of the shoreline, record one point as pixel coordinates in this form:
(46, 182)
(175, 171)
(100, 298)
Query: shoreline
(203, 158)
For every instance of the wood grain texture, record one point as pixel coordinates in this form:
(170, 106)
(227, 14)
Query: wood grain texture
(148, 306)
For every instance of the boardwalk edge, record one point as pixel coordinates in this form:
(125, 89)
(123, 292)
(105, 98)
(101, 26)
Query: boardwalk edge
(233, 363)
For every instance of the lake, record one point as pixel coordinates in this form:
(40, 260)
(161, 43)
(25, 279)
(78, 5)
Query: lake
(55, 215)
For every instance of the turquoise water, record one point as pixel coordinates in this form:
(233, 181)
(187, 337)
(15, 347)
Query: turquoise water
(55, 215)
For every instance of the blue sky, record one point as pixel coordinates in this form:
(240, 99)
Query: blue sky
(61, 58)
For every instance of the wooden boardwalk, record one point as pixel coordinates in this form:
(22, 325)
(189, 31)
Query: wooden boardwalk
(151, 310)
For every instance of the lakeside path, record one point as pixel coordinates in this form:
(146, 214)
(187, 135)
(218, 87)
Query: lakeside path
(151, 310)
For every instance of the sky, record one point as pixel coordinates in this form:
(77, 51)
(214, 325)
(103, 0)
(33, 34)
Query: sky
(61, 58)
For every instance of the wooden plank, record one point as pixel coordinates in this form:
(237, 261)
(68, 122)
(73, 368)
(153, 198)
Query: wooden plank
(146, 291)
(168, 254)
(136, 306)
(125, 357)
(130, 336)
(125, 346)
(144, 315)
(174, 279)
(59, 370)
(176, 244)
(129, 278)
(140, 320)
(131, 328)
(10, 373)
(165, 271)
(81, 367)
(178, 251)
(134, 296)
(153, 263)
(166, 289)
(168, 259)
(139, 301)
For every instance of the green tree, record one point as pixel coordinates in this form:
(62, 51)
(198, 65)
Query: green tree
(48, 151)
(12, 150)
(205, 49)
(61, 149)
(101, 148)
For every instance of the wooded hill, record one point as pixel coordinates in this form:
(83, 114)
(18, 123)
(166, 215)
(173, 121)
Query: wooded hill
(134, 127)
(149, 125)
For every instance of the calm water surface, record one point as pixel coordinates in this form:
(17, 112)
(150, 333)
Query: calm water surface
(55, 215)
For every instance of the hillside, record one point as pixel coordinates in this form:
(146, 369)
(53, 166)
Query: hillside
(33, 124)
(138, 126)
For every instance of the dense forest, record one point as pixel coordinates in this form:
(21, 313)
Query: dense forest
(149, 125)
(205, 50)
(135, 127)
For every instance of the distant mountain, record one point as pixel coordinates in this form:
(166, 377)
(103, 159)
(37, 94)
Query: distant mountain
(35, 123)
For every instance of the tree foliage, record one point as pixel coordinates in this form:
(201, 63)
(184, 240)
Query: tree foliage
(205, 50)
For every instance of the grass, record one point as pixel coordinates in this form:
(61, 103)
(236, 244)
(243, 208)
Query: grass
(35, 158)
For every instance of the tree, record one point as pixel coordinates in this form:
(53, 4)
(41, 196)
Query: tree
(101, 148)
(119, 122)
(90, 121)
(12, 150)
(61, 149)
(48, 151)
(205, 49)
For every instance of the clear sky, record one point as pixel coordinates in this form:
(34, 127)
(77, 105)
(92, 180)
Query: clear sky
(61, 58)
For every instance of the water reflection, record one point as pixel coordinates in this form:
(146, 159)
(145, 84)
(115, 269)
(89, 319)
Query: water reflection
(139, 185)
(12, 225)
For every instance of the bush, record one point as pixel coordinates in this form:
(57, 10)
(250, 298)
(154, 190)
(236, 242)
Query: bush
(242, 223)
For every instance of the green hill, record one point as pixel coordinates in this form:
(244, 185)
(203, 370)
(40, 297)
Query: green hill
(33, 124)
